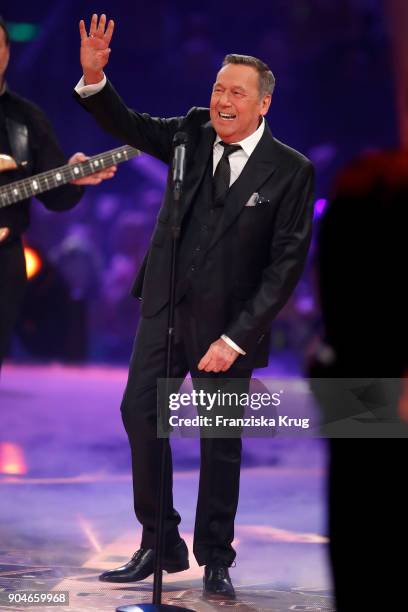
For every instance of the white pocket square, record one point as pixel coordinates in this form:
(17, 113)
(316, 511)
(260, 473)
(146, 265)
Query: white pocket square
(253, 200)
(256, 199)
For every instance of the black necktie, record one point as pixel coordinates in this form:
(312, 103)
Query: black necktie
(222, 174)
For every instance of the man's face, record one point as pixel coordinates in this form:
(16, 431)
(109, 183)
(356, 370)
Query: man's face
(4, 54)
(235, 106)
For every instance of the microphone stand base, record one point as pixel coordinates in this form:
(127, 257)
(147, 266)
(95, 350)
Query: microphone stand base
(149, 607)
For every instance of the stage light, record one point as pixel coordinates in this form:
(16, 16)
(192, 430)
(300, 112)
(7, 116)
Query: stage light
(33, 262)
(89, 532)
(320, 206)
(22, 32)
(12, 459)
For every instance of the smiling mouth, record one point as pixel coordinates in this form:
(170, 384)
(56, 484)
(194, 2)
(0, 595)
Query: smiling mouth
(226, 116)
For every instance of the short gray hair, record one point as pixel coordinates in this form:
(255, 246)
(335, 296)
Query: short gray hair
(266, 78)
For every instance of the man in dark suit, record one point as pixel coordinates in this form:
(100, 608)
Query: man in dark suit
(245, 231)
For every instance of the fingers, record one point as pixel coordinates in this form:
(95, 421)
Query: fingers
(4, 233)
(109, 31)
(77, 157)
(106, 174)
(216, 366)
(211, 362)
(204, 361)
(96, 177)
(207, 362)
(100, 30)
(81, 157)
(97, 29)
(82, 30)
(102, 175)
(94, 25)
(91, 180)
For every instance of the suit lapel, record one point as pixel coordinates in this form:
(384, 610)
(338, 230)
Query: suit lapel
(198, 165)
(257, 170)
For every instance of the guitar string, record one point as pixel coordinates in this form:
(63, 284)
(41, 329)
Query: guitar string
(67, 172)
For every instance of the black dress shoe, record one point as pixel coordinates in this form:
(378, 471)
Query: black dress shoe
(217, 582)
(141, 565)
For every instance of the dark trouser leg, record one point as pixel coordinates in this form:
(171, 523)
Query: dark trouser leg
(12, 286)
(139, 413)
(219, 482)
(217, 500)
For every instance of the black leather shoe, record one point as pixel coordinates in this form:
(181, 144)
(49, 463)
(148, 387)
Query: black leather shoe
(141, 565)
(217, 582)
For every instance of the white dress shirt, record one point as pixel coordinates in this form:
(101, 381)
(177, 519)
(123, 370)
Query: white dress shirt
(237, 159)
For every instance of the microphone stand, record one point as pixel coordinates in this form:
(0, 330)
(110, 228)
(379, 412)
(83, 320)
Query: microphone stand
(157, 605)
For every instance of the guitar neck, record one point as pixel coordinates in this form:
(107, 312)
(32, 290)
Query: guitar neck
(45, 181)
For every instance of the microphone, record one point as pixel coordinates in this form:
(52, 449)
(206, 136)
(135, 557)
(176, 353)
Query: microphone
(179, 162)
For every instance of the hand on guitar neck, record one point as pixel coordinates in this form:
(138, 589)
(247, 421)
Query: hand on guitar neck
(7, 163)
(91, 179)
(79, 166)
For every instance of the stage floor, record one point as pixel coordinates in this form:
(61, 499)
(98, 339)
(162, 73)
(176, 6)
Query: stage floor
(66, 508)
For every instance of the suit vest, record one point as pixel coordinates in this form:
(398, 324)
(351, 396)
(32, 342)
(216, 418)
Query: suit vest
(197, 230)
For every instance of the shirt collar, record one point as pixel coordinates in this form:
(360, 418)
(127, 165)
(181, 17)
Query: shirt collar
(249, 143)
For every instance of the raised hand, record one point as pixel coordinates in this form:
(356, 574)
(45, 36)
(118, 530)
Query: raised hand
(95, 47)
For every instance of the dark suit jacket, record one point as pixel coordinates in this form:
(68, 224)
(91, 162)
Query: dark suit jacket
(256, 254)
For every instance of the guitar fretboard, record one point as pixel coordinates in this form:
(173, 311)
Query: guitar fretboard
(45, 181)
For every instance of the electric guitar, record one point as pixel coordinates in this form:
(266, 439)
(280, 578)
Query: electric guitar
(45, 181)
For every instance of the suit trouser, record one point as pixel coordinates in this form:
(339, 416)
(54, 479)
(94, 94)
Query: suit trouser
(220, 457)
(12, 288)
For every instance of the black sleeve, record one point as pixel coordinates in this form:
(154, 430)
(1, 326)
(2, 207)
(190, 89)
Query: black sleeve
(46, 155)
(152, 135)
(288, 251)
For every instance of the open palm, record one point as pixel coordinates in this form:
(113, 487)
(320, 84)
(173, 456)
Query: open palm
(95, 47)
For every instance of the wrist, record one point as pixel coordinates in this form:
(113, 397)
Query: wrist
(232, 344)
(93, 78)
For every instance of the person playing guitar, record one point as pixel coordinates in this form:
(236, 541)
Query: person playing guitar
(28, 146)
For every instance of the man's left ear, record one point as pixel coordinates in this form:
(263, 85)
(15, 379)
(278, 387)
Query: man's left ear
(266, 102)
